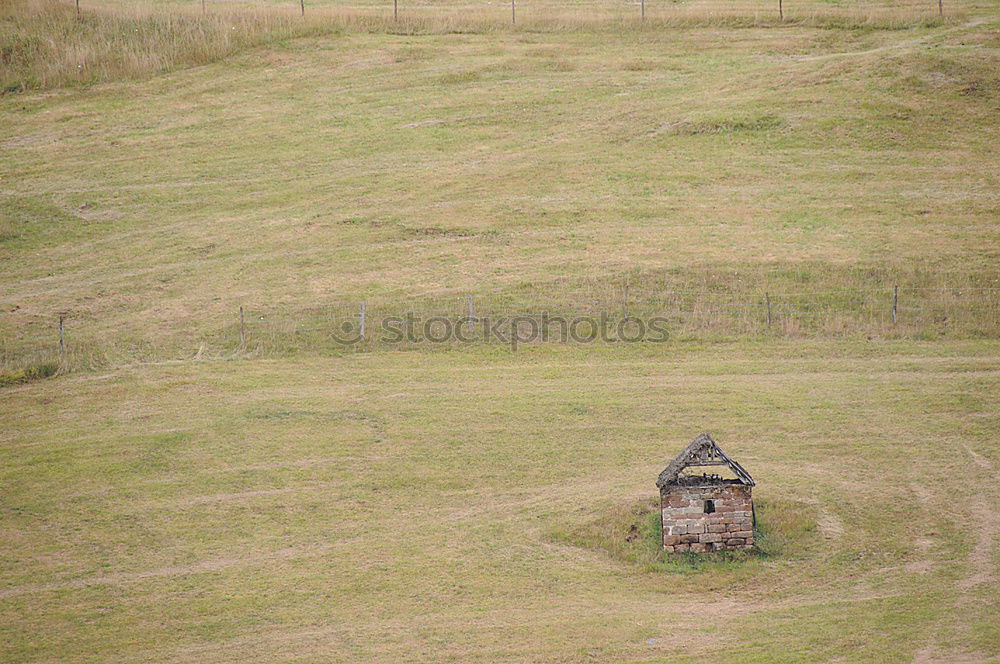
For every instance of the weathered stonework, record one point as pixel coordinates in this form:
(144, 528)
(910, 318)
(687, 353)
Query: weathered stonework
(688, 527)
(706, 513)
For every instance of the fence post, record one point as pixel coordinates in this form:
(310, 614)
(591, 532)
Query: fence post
(940, 8)
(243, 329)
(395, 10)
(78, 8)
(361, 317)
(202, 6)
(513, 14)
(62, 341)
(781, 11)
(767, 301)
(302, 6)
(643, 5)
(895, 302)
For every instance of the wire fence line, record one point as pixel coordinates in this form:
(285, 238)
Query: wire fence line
(621, 314)
(515, 11)
(643, 9)
(371, 324)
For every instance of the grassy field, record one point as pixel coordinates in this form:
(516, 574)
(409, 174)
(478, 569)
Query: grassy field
(524, 166)
(442, 507)
(170, 494)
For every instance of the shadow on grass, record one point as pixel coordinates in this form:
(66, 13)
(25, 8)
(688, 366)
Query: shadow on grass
(630, 533)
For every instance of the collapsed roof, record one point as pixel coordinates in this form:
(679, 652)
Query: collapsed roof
(703, 451)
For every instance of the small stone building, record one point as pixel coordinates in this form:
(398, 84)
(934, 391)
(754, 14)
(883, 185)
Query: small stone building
(705, 512)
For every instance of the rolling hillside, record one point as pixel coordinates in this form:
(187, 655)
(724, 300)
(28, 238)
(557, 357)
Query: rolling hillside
(177, 492)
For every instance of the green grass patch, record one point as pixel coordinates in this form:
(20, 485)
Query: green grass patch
(631, 533)
(28, 374)
(734, 125)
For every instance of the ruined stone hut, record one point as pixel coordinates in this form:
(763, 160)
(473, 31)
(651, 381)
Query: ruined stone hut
(705, 512)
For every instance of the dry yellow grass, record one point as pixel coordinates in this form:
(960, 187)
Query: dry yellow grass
(45, 43)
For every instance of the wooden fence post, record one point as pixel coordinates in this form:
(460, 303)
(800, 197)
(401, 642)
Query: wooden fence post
(513, 13)
(62, 340)
(243, 329)
(202, 6)
(361, 317)
(940, 8)
(395, 10)
(895, 302)
(78, 8)
(781, 11)
(302, 6)
(643, 5)
(767, 301)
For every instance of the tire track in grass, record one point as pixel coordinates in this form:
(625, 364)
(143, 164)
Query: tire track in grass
(988, 520)
(907, 43)
(210, 565)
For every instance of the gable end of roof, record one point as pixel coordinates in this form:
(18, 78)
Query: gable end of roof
(703, 450)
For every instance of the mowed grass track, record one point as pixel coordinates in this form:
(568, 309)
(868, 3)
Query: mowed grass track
(403, 506)
(388, 166)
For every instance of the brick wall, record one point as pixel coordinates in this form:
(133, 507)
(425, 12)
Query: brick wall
(686, 526)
